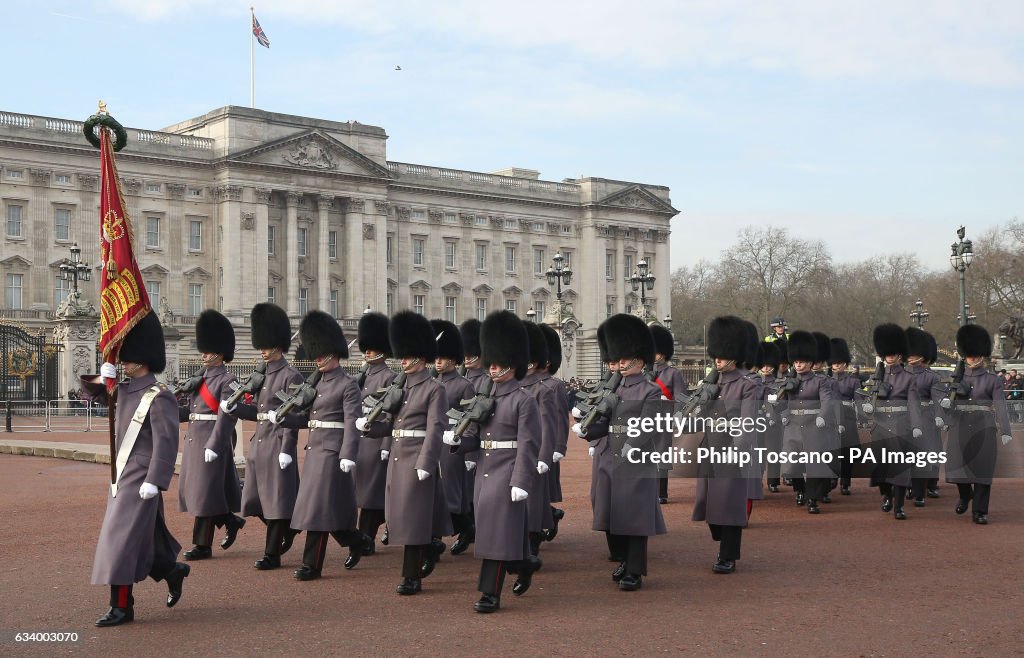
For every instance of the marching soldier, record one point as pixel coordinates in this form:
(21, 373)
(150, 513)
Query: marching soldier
(973, 424)
(508, 443)
(672, 386)
(845, 388)
(458, 498)
(625, 496)
(897, 415)
(134, 542)
(371, 470)
(919, 344)
(772, 436)
(414, 449)
(561, 427)
(326, 502)
(809, 420)
(723, 490)
(271, 474)
(539, 503)
(208, 487)
(472, 368)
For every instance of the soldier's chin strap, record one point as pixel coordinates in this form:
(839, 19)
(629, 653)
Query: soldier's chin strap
(374, 359)
(471, 360)
(630, 365)
(412, 363)
(501, 373)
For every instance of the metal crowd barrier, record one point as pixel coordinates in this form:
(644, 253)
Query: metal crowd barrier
(51, 416)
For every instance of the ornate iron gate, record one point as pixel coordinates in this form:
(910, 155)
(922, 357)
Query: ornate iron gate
(28, 370)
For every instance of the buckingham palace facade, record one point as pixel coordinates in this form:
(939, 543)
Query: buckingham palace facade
(240, 206)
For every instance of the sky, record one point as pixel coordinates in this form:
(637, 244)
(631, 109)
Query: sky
(876, 127)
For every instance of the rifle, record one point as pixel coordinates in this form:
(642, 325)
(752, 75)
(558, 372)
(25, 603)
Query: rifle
(252, 384)
(955, 386)
(707, 391)
(385, 399)
(600, 402)
(877, 388)
(361, 375)
(301, 397)
(477, 409)
(190, 385)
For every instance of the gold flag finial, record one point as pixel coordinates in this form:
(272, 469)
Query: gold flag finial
(103, 108)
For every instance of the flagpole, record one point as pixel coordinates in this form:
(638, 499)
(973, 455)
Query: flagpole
(252, 60)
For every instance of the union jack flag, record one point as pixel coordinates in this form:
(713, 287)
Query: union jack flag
(258, 32)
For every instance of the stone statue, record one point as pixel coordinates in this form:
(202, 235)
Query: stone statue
(1013, 328)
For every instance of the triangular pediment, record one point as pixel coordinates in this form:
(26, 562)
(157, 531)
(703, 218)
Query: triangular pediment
(16, 261)
(541, 293)
(452, 288)
(512, 291)
(420, 286)
(636, 197)
(156, 270)
(196, 272)
(483, 289)
(312, 151)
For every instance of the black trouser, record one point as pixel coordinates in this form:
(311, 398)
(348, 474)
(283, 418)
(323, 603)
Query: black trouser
(535, 541)
(615, 550)
(729, 538)
(276, 531)
(816, 488)
(978, 494)
(846, 467)
(492, 575)
(462, 522)
(633, 551)
(918, 486)
(202, 529)
(412, 561)
(897, 494)
(663, 484)
(370, 521)
(316, 545)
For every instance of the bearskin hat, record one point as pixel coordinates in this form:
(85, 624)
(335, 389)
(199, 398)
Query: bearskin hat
(839, 351)
(504, 342)
(215, 335)
(322, 335)
(602, 343)
(769, 355)
(917, 342)
(145, 344)
(753, 338)
(270, 327)
(728, 337)
(889, 339)
(627, 337)
(663, 343)
(933, 349)
(824, 346)
(372, 333)
(449, 340)
(782, 345)
(470, 330)
(538, 345)
(802, 347)
(972, 340)
(412, 336)
(554, 348)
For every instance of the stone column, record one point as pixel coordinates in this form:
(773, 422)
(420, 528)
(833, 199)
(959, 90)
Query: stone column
(355, 259)
(172, 348)
(261, 259)
(229, 249)
(380, 276)
(323, 261)
(77, 330)
(291, 277)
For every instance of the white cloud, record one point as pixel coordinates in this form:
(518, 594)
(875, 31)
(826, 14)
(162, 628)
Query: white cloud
(968, 42)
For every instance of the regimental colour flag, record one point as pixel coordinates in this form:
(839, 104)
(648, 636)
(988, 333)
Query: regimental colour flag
(258, 32)
(123, 297)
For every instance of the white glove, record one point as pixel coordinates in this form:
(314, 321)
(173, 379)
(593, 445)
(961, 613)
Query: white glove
(868, 408)
(421, 474)
(945, 403)
(917, 433)
(361, 424)
(284, 459)
(519, 495)
(625, 450)
(1006, 438)
(448, 438)
(108, 371)
(939, 422)
(556, 457)
(664, 398)
(272, 416)
(209, 456)
(346, 465)
(384, 455)
(577, 430)
(542, 468)
(227, 408)
(470, 466)
(819, 421)
(785, 420)
(773, 397)
(771, 422)
(577, 414)
(590, 451)
(367, 409)
(147, 491)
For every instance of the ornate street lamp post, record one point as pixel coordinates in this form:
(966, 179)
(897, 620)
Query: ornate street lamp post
(919, 314)
(558, 274)
(643, 282)
(961, 256)
(75, 270)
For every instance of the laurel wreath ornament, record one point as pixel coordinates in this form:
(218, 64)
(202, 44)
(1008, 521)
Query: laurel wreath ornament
(107, 121)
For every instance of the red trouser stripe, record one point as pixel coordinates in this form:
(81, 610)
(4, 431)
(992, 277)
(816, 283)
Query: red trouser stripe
(122, 596)
(497, 578)
(750, 507)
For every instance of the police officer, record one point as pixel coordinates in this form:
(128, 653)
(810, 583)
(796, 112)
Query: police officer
(779, 331)
(208, 487)
(271, 474)
(134, 541)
